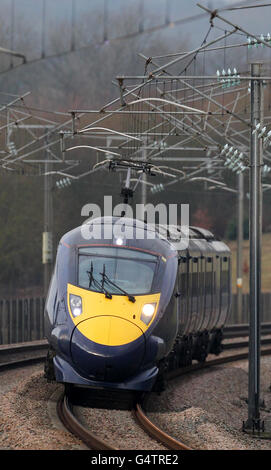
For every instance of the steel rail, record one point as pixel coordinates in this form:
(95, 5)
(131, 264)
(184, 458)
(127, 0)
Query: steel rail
(65, 413)
(243, 344)
(64, 407)
(160, 435)
(213, 362)
(22, 348)
(21, 362)
(71, 422)
(235, 331)
(157, 433)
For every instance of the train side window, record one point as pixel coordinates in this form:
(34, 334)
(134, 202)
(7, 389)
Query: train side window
(183, 286)
(209, 282)
(224, 281)
(194, 284)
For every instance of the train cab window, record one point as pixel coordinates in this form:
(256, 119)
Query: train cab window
(130, 270)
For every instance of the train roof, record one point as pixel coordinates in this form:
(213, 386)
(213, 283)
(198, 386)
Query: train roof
(164, 239)
(176, 232)
(171, 233)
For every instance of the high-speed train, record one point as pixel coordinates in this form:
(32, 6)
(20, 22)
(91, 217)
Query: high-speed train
(120, 312)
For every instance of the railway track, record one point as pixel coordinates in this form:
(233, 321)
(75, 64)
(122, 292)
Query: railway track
(244, 344)
(238, 331)
(158, 434)
(35, 352)
(22, 354)
(170, 442)
(74, 425)
(71, 422)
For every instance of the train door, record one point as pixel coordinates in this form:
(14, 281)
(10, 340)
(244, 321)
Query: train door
(214, 303)
(220, 252)
(208, 290)
(195, 291)
(201, 244)
(225, 288)
(215, 286)
(217, 298)
(190, 316)
(183, 289)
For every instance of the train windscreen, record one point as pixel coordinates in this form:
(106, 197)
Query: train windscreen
(117, 270)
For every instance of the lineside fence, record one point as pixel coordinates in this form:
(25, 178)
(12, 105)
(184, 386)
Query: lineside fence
(22, 319)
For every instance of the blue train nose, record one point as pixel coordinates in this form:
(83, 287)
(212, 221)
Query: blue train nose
(107, 362)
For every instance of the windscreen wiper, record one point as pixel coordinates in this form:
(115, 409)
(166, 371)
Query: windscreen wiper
(90, 275)
(96, 284)
(105, 279)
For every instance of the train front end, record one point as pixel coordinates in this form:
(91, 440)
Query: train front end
(110, 297)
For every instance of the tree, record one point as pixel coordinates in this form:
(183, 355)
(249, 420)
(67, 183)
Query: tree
(202, 218)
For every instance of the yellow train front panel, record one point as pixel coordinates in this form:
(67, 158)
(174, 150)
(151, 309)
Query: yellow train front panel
(111, 322)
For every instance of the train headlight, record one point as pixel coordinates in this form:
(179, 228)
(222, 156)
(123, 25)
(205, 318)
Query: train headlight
(147, 313)
(75, 305)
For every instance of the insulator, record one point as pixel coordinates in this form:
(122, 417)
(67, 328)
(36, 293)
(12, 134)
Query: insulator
(257, 128)
(262, 132)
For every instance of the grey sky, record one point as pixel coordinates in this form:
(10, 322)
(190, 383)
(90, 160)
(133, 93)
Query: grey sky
(28, 29)
(154, 13)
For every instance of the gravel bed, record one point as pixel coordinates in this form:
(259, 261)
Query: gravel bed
(118, 427)
(25, 422)
(206, 409)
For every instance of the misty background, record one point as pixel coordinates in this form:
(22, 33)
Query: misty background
(74, 49)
